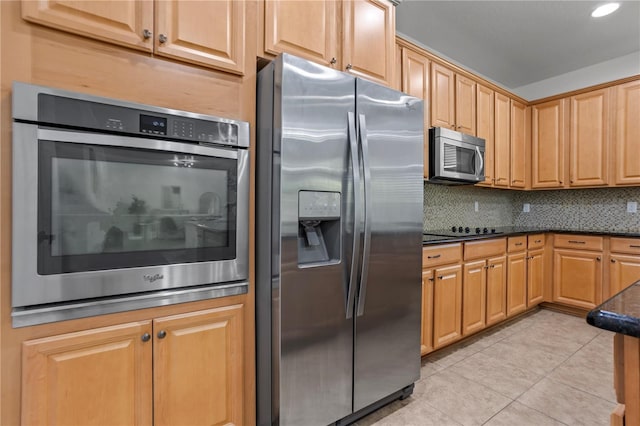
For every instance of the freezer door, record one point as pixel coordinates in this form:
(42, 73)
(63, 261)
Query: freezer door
(387, 336)
(311, 316)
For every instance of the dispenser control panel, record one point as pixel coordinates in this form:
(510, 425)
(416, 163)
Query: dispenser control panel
(318, 205)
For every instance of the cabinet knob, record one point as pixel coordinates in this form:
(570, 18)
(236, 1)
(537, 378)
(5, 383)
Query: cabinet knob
(561, 182)
(145, 337)
(146, 34)
(349, 66)
(441, 277)
(613, 261)
(493, 266)
(571, 181)
(333, 61)
(162, 38)
(598, 259)
(431, 279)
(162, 334)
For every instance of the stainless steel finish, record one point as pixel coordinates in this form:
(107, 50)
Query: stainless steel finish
(441, 171)
(162, 38)
(479, 160)
(146, 34)
(357, 214)
(317, 362)
(364, 274)
(23, 317)
(25, 107)
(145, 337)
(162, 334)
(30, 288)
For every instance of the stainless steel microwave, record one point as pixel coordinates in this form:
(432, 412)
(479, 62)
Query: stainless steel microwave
(120, 206)
(454, 157)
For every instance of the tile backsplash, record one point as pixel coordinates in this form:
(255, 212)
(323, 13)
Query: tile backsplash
(580, 209)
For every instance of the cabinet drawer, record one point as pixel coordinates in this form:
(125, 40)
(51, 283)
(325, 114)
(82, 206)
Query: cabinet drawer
(441, 255)
(578, 242)
(480, 249)
(625, 245)
(518, 243)
(535, 241)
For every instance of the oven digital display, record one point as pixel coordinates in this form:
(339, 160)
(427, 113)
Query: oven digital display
(153, 125)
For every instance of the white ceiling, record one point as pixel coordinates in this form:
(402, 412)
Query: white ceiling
(517, 43)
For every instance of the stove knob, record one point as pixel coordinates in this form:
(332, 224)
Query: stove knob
(453, 229)
(460, 229)
(466, 230)
(493, 230)
(477, 230)
(485, 230)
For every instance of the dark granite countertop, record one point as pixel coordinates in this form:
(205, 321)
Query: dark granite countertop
(620, 314)
(446, 236)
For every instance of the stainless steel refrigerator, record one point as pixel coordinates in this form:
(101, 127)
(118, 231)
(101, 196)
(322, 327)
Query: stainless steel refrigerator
(339, 241)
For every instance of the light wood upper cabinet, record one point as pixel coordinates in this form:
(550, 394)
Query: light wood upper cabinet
(547, 144)
(502, 141)
(95, 377)
(205, 33)
(369, 28)
(117, 21)
(485, 128)
(415, 82)
(442, 96)
(210, 34)
(519, 145)
(426, 333)
(308, 29)
(447, 305)
(627, 133)
(589, 138)
(465, 105)
(577, 277)
(496, 289)
(535, 277)
(474, 294)
(198, 377)
(516, 283)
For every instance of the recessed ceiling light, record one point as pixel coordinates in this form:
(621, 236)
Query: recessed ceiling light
(605, 9)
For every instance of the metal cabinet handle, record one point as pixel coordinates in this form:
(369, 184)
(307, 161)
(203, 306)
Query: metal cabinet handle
(634, 246)
(333, 61)
(145, 337)
(162, 334)
(538, 241)
(577, 242)
(613, 261)
(598, 259)
(437, 256)
(518, 244)
(162, 38)
(349, 66)
(485, 267)
(146, 34)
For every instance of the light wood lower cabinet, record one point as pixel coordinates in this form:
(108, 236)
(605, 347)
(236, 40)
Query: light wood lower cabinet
(426, 335)
(516, 283)
(182, 369)
(474, 296)
(447, 305)
(624, 271)
(577, 277)
(496, 289)
(535, 277)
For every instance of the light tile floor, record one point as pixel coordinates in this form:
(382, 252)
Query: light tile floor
(547, 368)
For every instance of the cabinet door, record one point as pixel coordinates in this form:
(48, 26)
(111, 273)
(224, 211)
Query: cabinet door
(447, 305)
(518, 163)
(627, 133)
(369, 39)
(516, 283)
(415, 82)
(625, 270)
(547, 144)
(93, 377)
(465, 105)
(198, 362)
(442, 96)
(502, 140)
(204, 33)
(496, 289)
(485, 129)
(426, 336)
(535, 277)
(589, 135)
(474, 295)
(303, 28)
(577, 278)
(116, 21)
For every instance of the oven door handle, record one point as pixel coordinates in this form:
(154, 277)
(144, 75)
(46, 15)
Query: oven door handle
(478, 159)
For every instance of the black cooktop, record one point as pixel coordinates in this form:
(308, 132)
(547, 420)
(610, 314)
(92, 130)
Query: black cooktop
(463, 231)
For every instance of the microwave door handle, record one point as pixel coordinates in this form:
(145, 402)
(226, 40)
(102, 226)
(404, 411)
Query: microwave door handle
(362, 293)
(357, 207)
(480, 166)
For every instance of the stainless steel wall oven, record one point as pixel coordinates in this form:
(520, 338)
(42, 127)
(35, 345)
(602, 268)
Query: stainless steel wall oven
(112, 198)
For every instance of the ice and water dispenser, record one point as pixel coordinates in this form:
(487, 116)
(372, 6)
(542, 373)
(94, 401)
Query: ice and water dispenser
(318, 228)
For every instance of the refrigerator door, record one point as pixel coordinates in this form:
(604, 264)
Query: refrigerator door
(315, 323)
(387, 337)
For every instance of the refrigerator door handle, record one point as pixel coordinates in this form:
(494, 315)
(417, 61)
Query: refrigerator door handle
(355, 253)
(362, 293)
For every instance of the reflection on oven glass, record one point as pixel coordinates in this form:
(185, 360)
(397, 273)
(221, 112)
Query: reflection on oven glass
(106, 206)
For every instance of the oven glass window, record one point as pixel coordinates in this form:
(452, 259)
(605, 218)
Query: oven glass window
(459, 160)
(109, 207)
